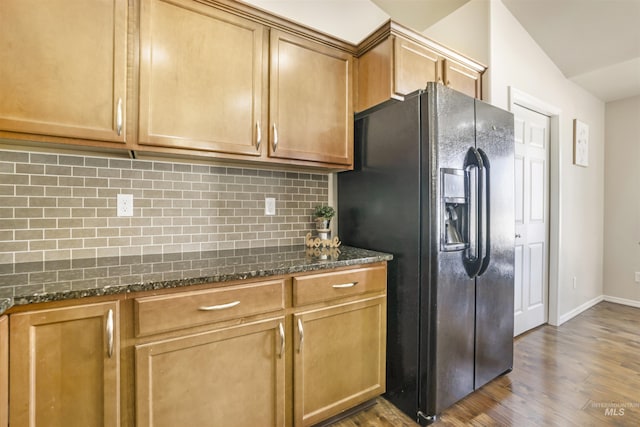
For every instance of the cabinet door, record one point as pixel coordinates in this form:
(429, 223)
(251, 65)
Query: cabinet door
(415, 65)
(228, 377)
(462, 79)
(63, 68)
(339, 358)
(4, 371)
(64, 367)
(375, 75)
(311, 106)
(201, 78)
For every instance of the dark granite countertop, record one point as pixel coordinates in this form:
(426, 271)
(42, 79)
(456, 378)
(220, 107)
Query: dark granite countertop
(34, 282)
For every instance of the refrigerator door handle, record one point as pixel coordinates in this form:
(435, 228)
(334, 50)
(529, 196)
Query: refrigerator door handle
(485, 205)
(473, 262)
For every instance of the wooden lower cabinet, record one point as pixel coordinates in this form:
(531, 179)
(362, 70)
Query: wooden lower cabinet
(228, 377)
(292, 350)
(64, 367)
(4, 371)
(339, 358)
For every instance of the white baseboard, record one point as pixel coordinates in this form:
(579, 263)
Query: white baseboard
(623, 301)
(586, 306)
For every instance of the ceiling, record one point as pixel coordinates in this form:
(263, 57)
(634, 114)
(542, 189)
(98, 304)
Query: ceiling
(595, 43)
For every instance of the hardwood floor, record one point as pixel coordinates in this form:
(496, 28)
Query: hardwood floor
(583, 373)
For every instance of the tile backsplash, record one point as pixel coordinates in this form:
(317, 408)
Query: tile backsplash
(57, 207)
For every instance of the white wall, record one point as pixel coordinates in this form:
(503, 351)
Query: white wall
(622, 200)
(350, 21)
(474, 40)
(515, 60)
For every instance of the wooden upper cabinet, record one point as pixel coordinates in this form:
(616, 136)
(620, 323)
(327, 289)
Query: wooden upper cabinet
(65, 367)
(395, 61)
(461, 78)
(202, 78)
(63, 68)
(208, 78)
(311, 109)
(415, 65)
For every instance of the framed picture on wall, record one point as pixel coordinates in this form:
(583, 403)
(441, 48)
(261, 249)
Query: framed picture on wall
(580, 143)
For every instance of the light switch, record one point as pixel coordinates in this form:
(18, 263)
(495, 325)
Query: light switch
(269, 206)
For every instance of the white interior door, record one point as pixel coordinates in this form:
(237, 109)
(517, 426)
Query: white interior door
(532, 219)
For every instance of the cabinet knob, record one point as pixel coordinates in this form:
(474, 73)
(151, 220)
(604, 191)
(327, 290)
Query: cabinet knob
(109, 328)
(300, 334)
(258, 136)
(275, 138)
(281, 331)
(119, 117)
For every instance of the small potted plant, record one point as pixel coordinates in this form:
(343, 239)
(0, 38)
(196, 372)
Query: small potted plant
(323, 215)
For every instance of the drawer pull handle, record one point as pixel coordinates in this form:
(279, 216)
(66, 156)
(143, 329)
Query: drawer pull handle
(345, 285)
(281, 330)
(301, 334)
(219, 307)
(110, 333)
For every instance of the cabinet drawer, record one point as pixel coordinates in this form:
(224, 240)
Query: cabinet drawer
(171, 312)
(328, 286)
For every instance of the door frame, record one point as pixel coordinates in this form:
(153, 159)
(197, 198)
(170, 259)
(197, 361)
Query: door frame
(554, 113)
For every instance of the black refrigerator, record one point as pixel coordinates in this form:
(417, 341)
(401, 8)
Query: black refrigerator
(433, 184)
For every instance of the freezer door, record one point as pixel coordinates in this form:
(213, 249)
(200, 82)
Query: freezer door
(494, 285)
(448, 298)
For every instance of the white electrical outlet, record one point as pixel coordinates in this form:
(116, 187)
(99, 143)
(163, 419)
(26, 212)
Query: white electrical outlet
(269, 206)
(125, 204)
(637, 276)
